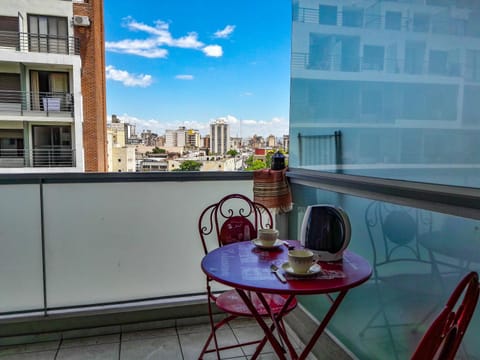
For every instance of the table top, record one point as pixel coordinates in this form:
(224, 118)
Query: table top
(245, 266)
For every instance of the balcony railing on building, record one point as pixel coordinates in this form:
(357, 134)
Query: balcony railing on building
(46, 156)
(441, 23)
(30, 42)
(388, 65)
(36, 103)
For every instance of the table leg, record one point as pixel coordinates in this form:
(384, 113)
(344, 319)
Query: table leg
(323, 324)
(277, 347)
(277, 321)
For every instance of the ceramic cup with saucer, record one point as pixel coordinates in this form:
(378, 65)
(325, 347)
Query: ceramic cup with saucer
(300, 260)
(267, 237)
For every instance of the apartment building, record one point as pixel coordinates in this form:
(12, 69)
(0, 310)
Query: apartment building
(52, 86)
(219, 137)
(120, 154)
(393, 79)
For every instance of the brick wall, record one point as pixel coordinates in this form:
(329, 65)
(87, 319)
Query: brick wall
(92, 53)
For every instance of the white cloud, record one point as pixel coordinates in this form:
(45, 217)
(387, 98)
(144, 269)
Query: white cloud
(225, 33)
(126, 78)
(159, 37)
(184, 77)
(247, 93)
(213, 50)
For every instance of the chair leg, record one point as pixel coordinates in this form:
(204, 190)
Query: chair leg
(212, 334)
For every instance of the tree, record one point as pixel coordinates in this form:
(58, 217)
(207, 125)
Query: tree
(190, 165)
(157, 150)
(232, 152)
(254, 164)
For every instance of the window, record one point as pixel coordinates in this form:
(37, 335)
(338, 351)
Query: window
(9, 30)
(373, 57)
(421, 22)
(352, 17)
(10, 89)
(414, 57)
(327, 15)
(49, 91)
(48, 34)
(11, 143)
(52, 146)
(438, 62)
(472, 67)
(393, 20)
(372, 102)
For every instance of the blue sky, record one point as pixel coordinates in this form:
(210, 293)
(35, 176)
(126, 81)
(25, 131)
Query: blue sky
(173, 63)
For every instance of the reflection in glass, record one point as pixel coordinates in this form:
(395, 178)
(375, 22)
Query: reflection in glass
(400, 80)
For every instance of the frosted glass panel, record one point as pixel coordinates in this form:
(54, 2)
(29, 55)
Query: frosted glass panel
(126, 241)
(397, 80)
(429, 253)
(21, 281)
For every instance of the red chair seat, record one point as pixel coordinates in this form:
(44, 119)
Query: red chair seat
(231, 302)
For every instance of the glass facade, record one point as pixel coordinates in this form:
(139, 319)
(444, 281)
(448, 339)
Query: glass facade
(390, 90)
(417, 257)
(398, 80)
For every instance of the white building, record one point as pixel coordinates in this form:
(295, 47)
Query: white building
(40, 88)
(219, 137)
(120, 155)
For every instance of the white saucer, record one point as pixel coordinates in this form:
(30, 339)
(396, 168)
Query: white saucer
(258, 244)
(314, 269)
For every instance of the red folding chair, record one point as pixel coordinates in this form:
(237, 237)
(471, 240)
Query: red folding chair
(442, 339)
(234, 218)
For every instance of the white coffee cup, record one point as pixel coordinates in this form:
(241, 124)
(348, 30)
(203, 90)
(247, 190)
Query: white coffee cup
(300, 260)
(267, 237)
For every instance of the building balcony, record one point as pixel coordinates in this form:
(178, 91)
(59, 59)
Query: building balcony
(36, 104)
(400, 68)
(110, 264)
(29, 42)
(44, 157)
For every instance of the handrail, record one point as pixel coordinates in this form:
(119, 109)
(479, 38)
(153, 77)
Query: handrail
(30, 42)
(46, 103)
(373, 21)
(391, 65)
(47, 156)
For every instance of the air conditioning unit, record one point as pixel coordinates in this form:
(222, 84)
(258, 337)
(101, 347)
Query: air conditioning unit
(79, 20)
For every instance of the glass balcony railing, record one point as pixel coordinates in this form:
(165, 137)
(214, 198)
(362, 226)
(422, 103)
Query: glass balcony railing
(71, 242)
(385, 65)
(84, 240)
(29, 42)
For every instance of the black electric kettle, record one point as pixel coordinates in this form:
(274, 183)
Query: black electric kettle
(326, 231)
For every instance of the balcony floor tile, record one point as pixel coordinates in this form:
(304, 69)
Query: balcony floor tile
(181, 340)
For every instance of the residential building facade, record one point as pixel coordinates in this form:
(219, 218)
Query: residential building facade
(396, 78)
(52, 108)
(219, 137)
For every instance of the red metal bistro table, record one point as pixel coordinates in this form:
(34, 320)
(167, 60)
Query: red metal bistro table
(247, 269)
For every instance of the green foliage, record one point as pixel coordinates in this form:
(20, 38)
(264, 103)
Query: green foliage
(232, 152)
(254, 164)
(190, 165)
(157, 150)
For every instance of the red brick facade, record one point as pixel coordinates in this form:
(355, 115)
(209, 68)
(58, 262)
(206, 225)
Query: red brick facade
(92, 53)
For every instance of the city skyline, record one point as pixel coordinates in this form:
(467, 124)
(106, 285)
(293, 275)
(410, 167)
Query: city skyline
(171, 65)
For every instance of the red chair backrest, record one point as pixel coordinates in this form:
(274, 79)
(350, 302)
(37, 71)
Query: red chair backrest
(234, 218)
(443, 337)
